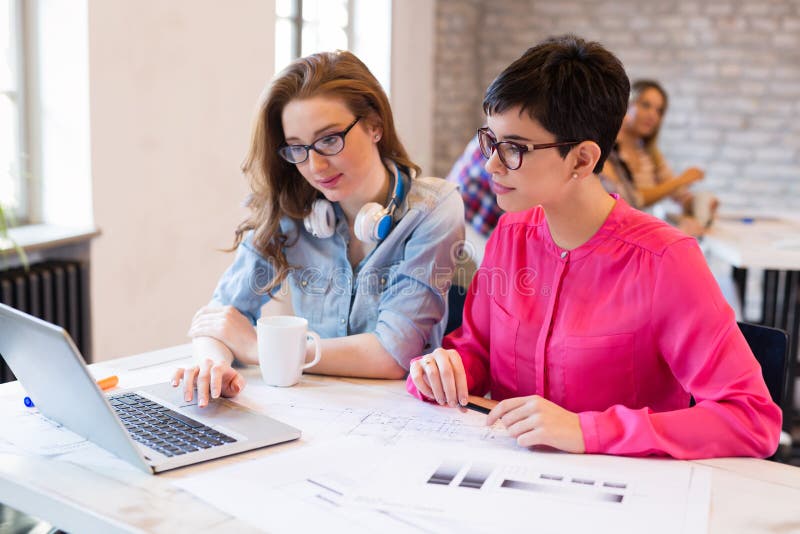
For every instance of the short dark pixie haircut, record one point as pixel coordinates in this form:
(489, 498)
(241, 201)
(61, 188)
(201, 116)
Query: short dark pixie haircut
(577, 90)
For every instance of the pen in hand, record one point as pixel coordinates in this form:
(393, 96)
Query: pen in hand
(480, 404)
(481, 409)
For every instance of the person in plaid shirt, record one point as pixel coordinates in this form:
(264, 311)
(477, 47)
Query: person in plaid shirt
(480, 205)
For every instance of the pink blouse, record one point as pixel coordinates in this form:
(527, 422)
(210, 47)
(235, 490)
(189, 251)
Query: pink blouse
(620, 330)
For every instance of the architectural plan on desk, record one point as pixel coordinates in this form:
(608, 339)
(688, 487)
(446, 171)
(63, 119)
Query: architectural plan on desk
(325, 409)
(377, 460)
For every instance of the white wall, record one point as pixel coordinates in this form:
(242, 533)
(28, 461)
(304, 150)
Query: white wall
(173, 87)
(413, 48)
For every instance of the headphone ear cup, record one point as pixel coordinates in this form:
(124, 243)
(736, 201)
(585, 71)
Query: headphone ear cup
(368, 222)
(383, 226)
(321, 221)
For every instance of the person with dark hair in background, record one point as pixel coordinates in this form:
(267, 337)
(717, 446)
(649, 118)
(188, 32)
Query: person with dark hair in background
(592, 323)
(338, 213)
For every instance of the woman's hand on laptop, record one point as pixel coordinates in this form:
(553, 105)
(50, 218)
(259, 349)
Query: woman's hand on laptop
(228, 325)
(213, 379)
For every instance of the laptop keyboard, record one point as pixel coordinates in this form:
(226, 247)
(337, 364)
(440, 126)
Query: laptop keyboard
(167, 431)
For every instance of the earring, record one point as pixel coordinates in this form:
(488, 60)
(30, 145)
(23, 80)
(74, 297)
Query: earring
(574, 175)
(377, 137)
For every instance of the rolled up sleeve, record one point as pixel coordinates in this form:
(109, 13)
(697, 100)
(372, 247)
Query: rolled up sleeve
(241, 286)
(413, 308)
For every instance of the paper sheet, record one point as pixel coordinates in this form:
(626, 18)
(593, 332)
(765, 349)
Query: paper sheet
(299, 490)
(325, 409)
(525, 490)
(368, 456)
(35, 434)
(375, 459)
(364, 484)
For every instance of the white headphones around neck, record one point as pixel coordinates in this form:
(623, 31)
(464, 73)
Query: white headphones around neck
(373, 221)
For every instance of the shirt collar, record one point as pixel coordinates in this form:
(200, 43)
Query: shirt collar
(607, 229)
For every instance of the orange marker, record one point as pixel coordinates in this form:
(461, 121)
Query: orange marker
(108, 382)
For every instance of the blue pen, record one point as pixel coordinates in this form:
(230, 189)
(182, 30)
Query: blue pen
(28, 402)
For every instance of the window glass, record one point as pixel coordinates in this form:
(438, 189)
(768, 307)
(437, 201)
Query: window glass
(10, 135)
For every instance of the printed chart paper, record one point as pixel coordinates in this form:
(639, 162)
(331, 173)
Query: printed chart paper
(376, 460)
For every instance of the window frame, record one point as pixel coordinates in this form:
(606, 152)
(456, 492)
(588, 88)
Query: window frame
(298, 22)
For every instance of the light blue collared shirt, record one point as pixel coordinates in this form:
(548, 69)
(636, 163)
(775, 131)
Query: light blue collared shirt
(397, 292)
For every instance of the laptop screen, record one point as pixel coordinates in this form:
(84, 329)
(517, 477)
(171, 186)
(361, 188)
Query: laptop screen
(54, 375)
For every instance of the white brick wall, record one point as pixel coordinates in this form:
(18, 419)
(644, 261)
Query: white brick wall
(732, 69)
(456, 80)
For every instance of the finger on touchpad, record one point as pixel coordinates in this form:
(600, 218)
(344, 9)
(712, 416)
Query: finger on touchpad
(179, 400)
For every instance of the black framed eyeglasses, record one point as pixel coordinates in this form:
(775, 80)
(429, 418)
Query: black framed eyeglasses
(510, 153)
(327, 145)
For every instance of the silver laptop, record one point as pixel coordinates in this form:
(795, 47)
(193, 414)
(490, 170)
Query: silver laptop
(150, 427)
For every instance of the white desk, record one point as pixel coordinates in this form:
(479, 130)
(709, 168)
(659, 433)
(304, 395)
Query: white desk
(771, 244)
(747, 495)
(756, 243)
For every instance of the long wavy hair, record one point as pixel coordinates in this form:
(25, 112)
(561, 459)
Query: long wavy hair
(277, 187)
(637, 89)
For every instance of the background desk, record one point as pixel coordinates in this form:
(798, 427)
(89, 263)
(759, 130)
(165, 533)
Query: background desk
(747, 495)
(772, 245)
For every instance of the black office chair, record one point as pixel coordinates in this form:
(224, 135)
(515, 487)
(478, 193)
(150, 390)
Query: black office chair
(771, 348)
(455, 307)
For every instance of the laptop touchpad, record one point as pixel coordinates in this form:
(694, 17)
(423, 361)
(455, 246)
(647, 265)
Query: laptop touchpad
(173, 395)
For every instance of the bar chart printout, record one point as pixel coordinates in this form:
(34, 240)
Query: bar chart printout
(550, 492)
(411, 484)
(476, 476)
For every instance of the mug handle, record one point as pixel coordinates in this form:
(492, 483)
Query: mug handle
(317, 352)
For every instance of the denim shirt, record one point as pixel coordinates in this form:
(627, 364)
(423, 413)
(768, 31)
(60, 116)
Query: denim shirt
(397, 292)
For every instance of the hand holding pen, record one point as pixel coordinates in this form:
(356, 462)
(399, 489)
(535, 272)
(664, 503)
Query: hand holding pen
(440, 376)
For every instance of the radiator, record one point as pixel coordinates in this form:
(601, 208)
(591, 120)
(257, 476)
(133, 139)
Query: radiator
(56, 291)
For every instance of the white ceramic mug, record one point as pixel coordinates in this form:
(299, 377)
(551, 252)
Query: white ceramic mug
(282, 342)
(702, 203)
